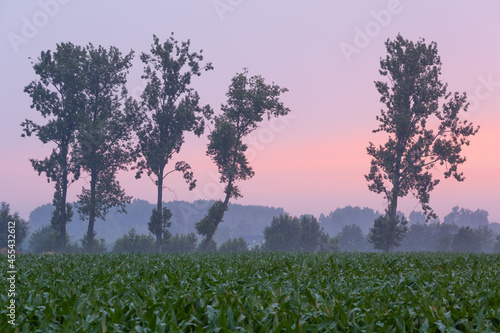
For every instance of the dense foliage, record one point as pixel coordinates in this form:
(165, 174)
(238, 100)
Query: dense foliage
(467, 217)
(134, 243)
(445, 237)
(259, 292)
(496, 247)
(421, 133)
(340, 217)
(287, 233)
(351, 239)
(234, 245)
(181, 243)
(21, 226)
(45, 239)
(388, 233)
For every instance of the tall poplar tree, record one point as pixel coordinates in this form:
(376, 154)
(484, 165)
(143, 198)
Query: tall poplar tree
(57, 95)
(171, 108)
(104, 143)
(249, 100)
(425, 130)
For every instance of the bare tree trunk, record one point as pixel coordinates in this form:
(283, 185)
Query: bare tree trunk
(208, 240)
(62, 226)
(92, 213)
(393, 204)
(64, 192)
(159, 208)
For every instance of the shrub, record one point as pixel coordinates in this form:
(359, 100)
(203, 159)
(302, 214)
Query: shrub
(181, 243)
(135, 243)
(44, 239)
(284, 234)
(212, 247)
(234, 245)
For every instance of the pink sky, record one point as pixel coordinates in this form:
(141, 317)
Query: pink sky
(315, 159)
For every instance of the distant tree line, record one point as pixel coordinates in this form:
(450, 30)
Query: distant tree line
(241, 221)
(287, 233)
(462, 230)
(465, 232)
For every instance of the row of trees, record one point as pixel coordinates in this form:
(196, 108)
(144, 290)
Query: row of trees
(82, 90)
(132, 242)
(439, 237)
(92, 121)
(44, 240)
(287, 233)
(243, 221)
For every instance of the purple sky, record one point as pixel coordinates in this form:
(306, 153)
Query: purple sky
(325, 52)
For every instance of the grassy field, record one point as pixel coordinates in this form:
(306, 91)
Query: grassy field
(255, 292)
